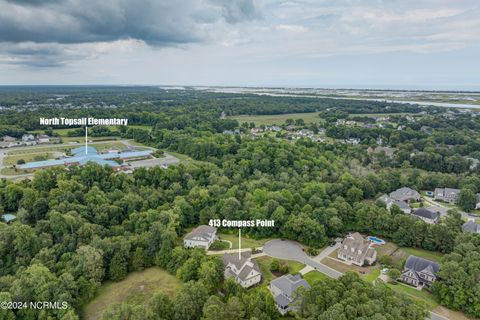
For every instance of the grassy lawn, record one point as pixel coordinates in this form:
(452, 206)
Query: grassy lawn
(352, 115)
(428, 299)
(11, 160)
(107, 145)
(372, 276)
(137, 287)
(246, 242)
(264, 264)
(343, 267)
(139, 126)
(82, 139)
(41, 149)
(64, 132)
(313, 276)
(278, 119)
(180, 156)
(387, 249)
(60, 132)
(400, 254)
(430, 255)
(422, 296)
(12, 171)
(415, 205)
(219, 245)
(29, 153)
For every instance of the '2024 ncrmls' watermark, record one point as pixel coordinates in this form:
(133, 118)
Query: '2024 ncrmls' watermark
(37, 305)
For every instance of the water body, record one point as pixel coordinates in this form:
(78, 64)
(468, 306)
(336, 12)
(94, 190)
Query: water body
(425, 103)
(286, 94)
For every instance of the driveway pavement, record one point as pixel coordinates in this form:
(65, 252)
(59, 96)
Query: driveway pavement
(291, 250)
(215, 252)
(442, 209)
(167, 159)
(435, 316)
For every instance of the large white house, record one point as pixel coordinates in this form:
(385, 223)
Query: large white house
(245, 271)
(357, 250)
(202, 236)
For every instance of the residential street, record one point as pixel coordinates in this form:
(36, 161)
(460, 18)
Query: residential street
(291, 250)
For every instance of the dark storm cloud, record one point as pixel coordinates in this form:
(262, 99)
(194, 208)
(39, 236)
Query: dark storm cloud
(38, 55)
(32, 2)
(155, 22)
(38, 32)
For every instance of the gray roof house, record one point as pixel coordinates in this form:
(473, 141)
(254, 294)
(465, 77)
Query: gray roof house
(202, 236)
(284, 291)
(446, 194)
(243, 269)
(9, 139)
(419, 271)
(405, 194)
(471, 226)
(389, 202)
(429, 216)
(357, 250)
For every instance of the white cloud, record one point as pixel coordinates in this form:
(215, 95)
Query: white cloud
(291, 28)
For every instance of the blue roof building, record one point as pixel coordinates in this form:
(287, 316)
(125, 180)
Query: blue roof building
(83, 155)
(84, 150)
(8, 217)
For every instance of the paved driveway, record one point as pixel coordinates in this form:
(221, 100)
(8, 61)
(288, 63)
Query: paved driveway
(438, 206)
(167, 159)
(291, 250)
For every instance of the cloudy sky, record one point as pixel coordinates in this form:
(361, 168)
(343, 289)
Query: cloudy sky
(425, 44)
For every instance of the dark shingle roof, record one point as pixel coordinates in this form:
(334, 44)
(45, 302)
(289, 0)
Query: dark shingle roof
(404, 193)
(282, 300)
(420, 264)
(425, 213)
(205, 232)
(471, 226)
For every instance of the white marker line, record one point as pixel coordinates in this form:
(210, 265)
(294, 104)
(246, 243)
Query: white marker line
(86, 140)
(239, 244)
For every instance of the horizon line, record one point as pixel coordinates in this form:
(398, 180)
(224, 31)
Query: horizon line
(246, 86)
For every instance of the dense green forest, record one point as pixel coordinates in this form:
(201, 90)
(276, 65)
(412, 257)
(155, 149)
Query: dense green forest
(80, 227)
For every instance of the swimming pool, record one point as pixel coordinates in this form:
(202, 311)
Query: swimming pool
(376, 240)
